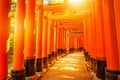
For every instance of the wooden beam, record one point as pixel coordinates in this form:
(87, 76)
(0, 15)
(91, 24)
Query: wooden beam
(67, 17)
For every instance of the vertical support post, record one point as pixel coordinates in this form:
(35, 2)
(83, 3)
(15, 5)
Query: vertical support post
(49, 33)
(82, 41)
(67, 41)
(70, 43)
(89, 36)
(59, 41)
(44, 41)
(94, 36)
(117, 20)
(18, 71)
(4, 37)
(112, 69)
(101, 55)
(39, 37)
(52, 41)
(62, 41)
(55, 41)
(75, 42)
(85, 34)
(29, 38)
(78, 43)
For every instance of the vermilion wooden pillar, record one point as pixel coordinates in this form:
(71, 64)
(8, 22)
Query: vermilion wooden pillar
(91, 40)
(117, 20)
(94, 36)
(57, 39)
(85, 34)
(54, 53)
(89, 35)
(39, 37)
(62, 41)
(18, 71)
(67, 41)
(44, 40)
(65, 50)
(101, 54)
(29, 38)
(79, 42)
(49, 37)
(94, 39)
(75, 42)
(82, 41)
(112, 69)
(71, 43)
(4, 37)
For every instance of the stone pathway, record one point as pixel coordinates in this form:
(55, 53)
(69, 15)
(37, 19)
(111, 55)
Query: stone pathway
(71, 67)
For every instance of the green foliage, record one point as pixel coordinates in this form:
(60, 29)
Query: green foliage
(12, 24)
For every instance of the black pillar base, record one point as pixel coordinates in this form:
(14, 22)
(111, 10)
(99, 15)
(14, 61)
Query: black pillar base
(59, 52)
(86, 55)
(73, 49)
(100, 72)
(64, 51)
(94, 65)
(55, 55)
(50, 58)
(29, 66)
(45, 62)
(70, 50)
(39, 65)
(111, 75)
(81, 49)
(18, 75)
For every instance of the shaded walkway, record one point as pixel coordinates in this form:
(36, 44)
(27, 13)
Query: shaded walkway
(71, 67)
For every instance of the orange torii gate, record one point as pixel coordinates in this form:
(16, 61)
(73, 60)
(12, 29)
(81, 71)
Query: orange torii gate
(101, 37)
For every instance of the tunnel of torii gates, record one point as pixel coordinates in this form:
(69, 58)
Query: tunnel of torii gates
(92, 25)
